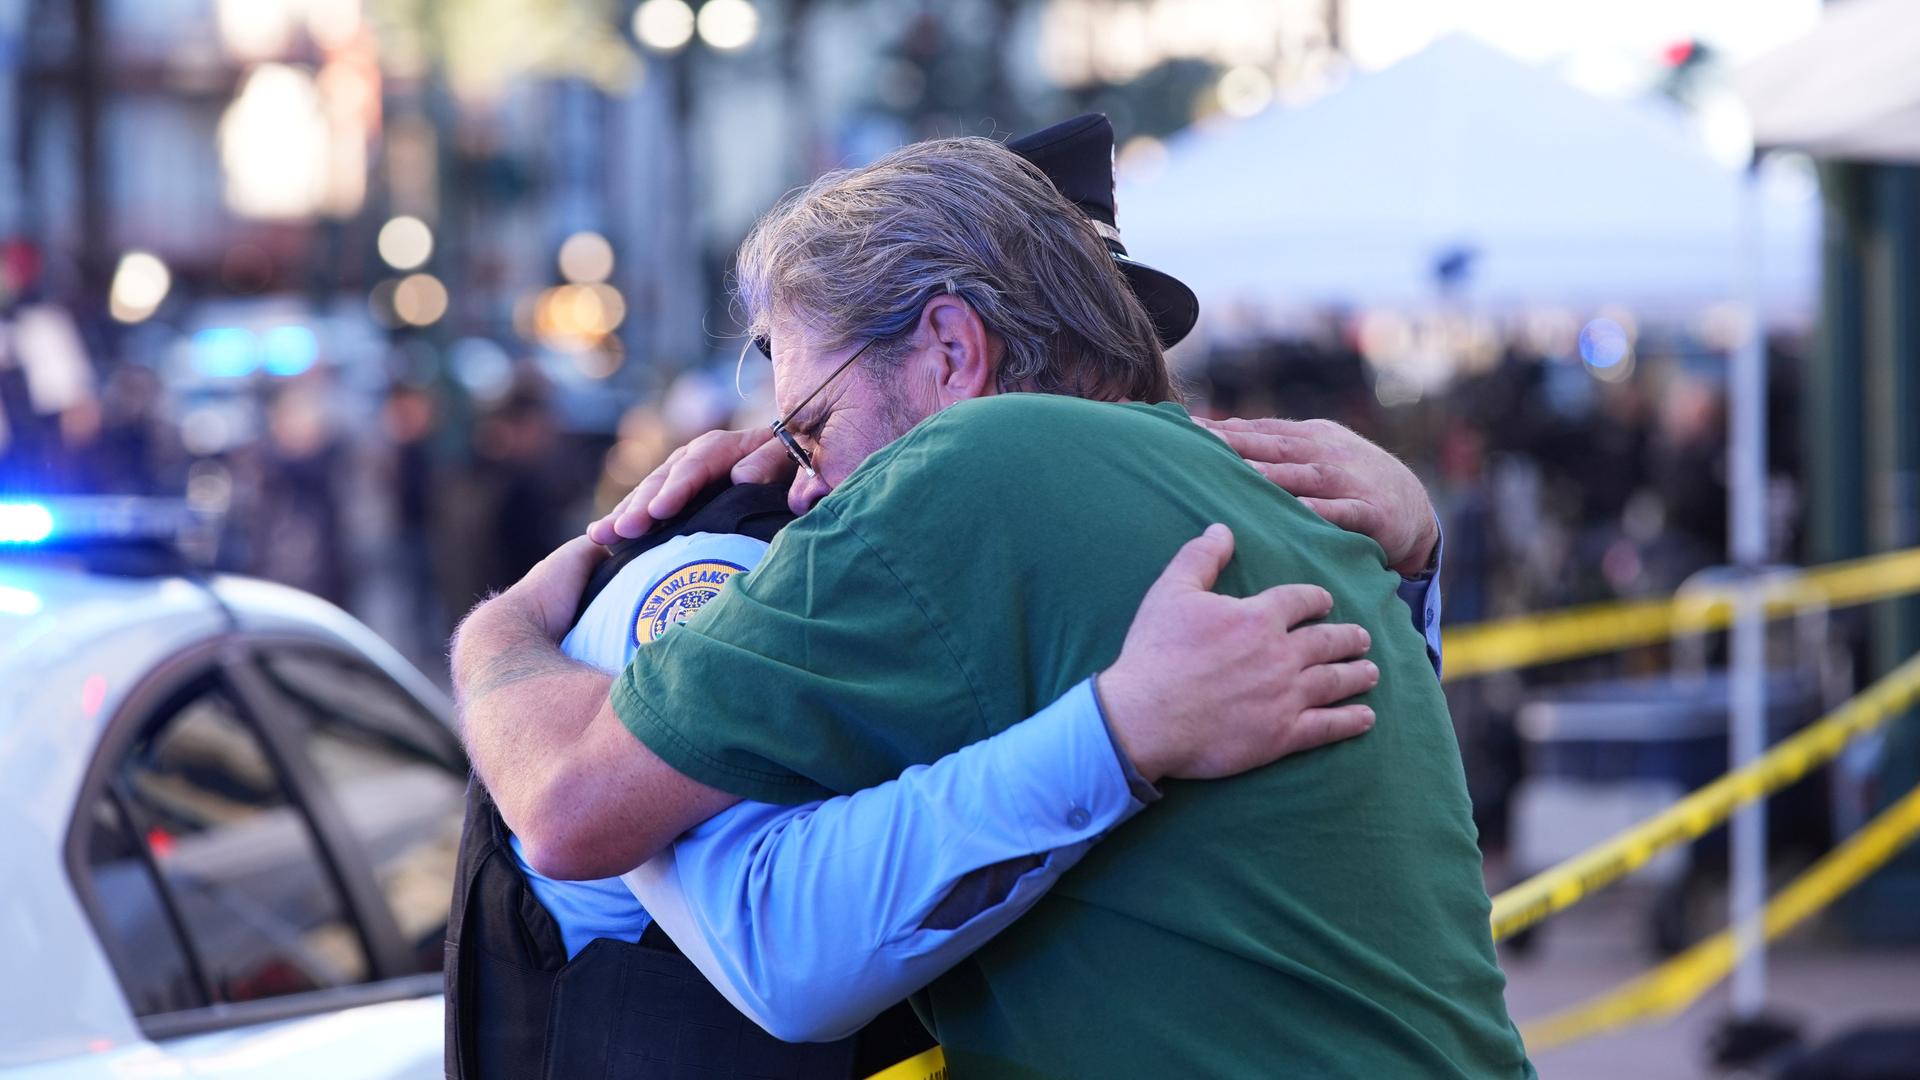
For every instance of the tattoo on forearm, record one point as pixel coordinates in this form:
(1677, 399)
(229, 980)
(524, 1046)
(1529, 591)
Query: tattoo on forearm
(517, 665)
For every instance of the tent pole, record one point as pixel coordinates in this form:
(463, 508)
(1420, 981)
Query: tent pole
(1747, 534)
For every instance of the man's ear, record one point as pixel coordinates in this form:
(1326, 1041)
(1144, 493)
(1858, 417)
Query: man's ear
(962, 354)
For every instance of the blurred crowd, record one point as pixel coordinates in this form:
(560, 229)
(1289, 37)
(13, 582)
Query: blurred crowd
(1558, 483)
(404, 499)
(1556, 487)
(407, 498)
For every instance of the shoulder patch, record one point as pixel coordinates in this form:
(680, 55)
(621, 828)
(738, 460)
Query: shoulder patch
(675, 598)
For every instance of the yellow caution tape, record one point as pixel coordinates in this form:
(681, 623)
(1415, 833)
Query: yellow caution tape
(1603, 628)
(1565, 885)
(1680, 982)
(926, 1065)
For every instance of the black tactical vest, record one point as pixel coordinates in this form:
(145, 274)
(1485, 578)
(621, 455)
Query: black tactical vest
(518, 1009)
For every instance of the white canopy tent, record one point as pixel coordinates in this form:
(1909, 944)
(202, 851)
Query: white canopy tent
(1563, 198)
(1850, 88)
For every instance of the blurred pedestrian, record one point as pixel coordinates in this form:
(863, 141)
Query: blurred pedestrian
(47, 397)
(516, 444)
(410, 418)
(298, 539)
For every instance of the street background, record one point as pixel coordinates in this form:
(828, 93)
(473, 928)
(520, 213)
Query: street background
(397, 294)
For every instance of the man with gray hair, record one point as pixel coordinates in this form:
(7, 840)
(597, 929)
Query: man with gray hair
(983, 547)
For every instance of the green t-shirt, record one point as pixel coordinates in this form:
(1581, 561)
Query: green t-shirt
(1323, 916)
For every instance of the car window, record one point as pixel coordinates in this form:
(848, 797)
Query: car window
(137, 929)
(396, 774)
(261, 911)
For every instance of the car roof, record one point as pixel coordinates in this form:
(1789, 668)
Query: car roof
(50, 611)
(73, 646)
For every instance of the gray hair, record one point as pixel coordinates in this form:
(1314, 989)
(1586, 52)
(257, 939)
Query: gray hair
(858, 254)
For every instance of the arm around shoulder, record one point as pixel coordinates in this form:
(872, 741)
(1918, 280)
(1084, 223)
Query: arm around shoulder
(586, 798)
(814, 919)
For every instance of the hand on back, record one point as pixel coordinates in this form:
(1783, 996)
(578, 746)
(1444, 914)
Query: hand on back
(1209, 685)
(1343, 478)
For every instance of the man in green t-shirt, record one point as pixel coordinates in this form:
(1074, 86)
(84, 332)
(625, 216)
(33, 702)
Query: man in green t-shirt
(980, 551)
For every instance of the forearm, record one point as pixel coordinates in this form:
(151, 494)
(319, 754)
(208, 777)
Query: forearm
(814, 919)
(586, 799)
(521, 705)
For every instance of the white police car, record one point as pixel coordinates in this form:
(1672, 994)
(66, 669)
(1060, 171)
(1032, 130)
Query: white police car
(228, 811)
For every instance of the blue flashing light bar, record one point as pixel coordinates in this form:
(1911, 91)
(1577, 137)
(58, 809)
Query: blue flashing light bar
(25, 522)
(234, 352)
(18, 601)
(91, 520)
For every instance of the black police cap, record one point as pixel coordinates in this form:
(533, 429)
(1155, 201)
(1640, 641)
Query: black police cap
(1077, 155)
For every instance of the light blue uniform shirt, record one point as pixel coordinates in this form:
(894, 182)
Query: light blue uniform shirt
(661, 584)
(609, 631)
(813, 919)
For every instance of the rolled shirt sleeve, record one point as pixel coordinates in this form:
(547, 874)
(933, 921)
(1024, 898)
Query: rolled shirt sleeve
(1422, 596)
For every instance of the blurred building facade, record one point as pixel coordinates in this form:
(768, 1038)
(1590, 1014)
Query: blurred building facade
(1863, 446)
(237, 232)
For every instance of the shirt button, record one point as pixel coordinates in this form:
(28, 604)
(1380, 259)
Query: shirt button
(1077, 818)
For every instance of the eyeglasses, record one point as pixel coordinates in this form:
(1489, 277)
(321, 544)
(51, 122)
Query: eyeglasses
(800, 455)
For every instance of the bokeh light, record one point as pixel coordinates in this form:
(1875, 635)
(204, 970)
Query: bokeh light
(1607, 349)
(1393, 388)
(1244, 91)
(274, 145)
(405, 242)
(663, 25)
(482, 367)
(575, 316)
(1385, 337)
(254, 29)
(586, 258)
(727, 25)
(333, 23)
(140, 283)
(420, 300)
